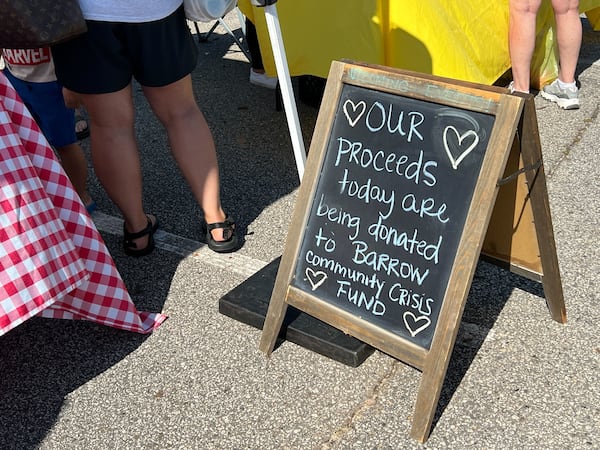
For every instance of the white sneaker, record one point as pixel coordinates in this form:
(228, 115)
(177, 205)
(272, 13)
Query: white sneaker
(511, 88)
(565, 98)
(263, 80)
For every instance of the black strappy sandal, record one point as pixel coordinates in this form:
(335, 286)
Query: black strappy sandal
(130, 248)
(230, 242)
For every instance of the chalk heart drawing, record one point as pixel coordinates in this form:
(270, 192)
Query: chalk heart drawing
(315, 278)
(460, 138)
(415, 324)
(354, 111)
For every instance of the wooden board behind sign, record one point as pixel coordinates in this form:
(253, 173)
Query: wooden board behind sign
(527, 247)
(511, 239)
(414, 157)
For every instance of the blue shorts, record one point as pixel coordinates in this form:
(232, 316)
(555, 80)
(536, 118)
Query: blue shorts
(46, 104)
(109, 54)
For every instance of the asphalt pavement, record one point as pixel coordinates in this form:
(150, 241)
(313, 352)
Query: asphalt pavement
(516, 379)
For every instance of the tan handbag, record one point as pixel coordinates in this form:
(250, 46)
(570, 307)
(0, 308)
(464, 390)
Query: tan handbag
(39, 23)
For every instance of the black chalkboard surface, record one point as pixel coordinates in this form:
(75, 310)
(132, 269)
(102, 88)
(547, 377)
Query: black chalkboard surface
(393, 193)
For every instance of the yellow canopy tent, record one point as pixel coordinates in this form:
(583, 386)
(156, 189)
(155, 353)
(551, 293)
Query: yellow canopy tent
(593, 16)
(466, 40)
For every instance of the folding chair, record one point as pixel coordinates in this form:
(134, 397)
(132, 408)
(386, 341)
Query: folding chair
(203, 37)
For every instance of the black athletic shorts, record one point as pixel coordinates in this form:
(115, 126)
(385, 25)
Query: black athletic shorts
(109, 54)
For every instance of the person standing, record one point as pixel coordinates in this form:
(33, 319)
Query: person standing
(521, 38)
(148, 40)
(31, 72)
(258, 75)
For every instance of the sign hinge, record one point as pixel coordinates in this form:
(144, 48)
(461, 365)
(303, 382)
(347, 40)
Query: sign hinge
(534, 166)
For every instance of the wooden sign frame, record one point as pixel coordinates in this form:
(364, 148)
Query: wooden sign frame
(512, 113)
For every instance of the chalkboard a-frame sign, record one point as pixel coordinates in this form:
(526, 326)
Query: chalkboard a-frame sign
(401, 181)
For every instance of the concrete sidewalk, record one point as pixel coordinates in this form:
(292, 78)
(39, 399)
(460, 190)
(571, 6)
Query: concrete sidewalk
(516, 379)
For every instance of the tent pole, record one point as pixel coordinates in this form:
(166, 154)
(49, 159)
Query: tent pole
(285, 83)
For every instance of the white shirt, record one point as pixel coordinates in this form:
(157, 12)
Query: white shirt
(33, 64)
(130, 11)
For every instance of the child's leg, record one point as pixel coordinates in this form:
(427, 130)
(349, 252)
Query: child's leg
(75, 164)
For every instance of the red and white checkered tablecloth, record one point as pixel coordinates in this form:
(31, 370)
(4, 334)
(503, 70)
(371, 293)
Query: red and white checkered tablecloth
(53, 261)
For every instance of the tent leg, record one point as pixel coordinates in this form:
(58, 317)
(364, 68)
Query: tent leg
(285, 83)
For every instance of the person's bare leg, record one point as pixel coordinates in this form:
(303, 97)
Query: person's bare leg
(521, 40)
(568, 36)
(75, 165)
(115, 154)
(192, 144)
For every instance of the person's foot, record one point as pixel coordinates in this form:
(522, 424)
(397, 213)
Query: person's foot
(511, 88)
(88, 202)
(141, 242)
(221, 236)
(82, 129)
(566, 98)
(91, 206)
(262, 79)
